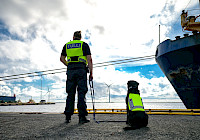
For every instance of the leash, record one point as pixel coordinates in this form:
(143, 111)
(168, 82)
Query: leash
(93, 99)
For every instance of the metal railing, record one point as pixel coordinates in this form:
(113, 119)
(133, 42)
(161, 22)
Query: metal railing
(148, 111)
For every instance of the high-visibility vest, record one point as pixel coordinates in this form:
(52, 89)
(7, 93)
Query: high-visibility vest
(135, 102)
(74, 49)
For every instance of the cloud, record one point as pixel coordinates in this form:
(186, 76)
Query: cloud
(100, 28)
(32, 34)
(157, 87)
(5, 91)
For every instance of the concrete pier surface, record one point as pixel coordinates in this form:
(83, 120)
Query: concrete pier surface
(53, 126)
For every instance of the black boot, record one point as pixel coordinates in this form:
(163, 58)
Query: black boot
(83, 120)
(68, 119)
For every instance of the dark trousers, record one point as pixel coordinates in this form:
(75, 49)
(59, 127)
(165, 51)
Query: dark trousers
(76, 79)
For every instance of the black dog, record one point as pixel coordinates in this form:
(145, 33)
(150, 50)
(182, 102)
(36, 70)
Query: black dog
(136, 118)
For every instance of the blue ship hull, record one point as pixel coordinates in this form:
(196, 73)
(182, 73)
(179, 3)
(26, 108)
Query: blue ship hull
(180, 62)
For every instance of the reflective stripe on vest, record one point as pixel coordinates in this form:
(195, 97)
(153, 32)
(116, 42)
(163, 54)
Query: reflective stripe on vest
(135, 102)
(74, 52)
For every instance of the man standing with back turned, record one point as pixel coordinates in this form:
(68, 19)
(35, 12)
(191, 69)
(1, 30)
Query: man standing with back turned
(78, 57)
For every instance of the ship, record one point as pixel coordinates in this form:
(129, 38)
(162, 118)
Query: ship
(8, 99)
(179, 60)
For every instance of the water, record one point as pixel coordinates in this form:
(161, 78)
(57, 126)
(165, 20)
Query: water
(59, 107)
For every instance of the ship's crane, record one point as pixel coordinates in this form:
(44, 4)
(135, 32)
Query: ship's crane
(189, 22)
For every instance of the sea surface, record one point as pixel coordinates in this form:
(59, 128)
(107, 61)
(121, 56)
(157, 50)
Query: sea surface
(59, 107)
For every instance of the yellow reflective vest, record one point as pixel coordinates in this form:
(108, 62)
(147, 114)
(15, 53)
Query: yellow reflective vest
(75, 52)
(135, 102)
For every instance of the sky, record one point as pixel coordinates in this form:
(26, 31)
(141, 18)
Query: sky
(33, 33)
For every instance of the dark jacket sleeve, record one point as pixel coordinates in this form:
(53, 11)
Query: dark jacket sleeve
(86, 49)
(64, 53)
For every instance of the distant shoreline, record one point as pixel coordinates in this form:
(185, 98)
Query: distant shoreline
(16, 104)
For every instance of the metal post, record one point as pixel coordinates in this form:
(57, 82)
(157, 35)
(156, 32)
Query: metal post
(41, 89)
(49, 94)
(159, 34)
(108, 93)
